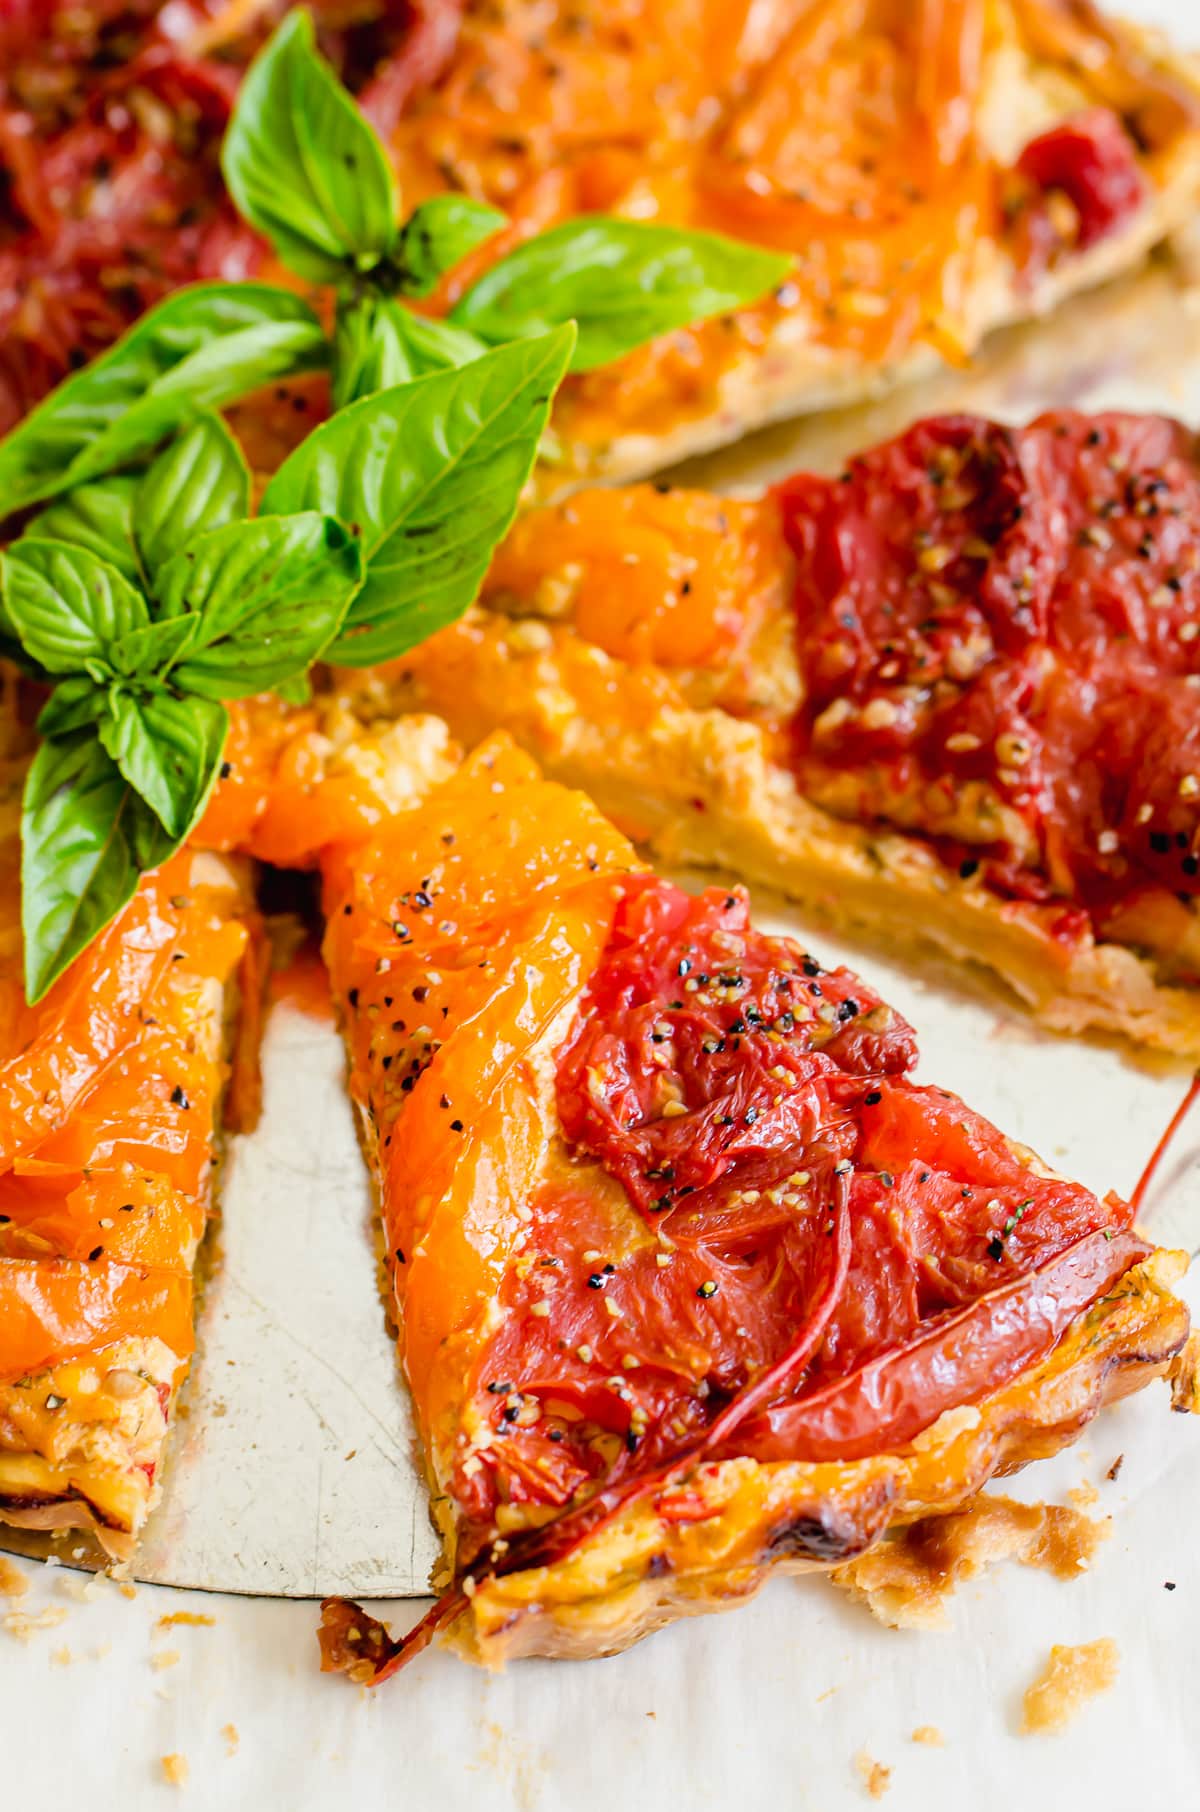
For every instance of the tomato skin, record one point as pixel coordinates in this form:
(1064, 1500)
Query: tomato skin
(999, 631)
(455, 937)
(108, 1098)
(955, 1362)
(283, 796)
(1092, 160)
(50, 1309)
(85, 1021)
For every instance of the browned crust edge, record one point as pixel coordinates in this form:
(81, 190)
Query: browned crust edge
(641, 1574)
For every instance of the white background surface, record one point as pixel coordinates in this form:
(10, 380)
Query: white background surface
(768, 1704)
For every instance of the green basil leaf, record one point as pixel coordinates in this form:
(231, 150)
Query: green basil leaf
(169, 750)
(68, 607)
(438, 235)
(295, 691)
(74, 702)
(269, 596)
(378, 343)
(622, 282)
(151, 652)
(201, 348)
(201, 481)
(98, 516)
(430, 476)
(86, 839)
(304, 166)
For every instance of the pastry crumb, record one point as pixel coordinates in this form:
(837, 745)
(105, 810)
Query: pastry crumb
(232, 1738)
(875, 1777)
(167, 1657)
(905, 1581)
(84, 1591)
(13, 1583)
(189, 1617)
(62, 1657)
(929, 1735)
(1071, 1677)
(1185, 1377)
(1115, 1468)
(24, 1624)
(175, 1770)
(127, 1589)
(1083, 1496)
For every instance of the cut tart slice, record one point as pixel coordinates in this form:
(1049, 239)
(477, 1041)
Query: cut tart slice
(950, 695)
(110, 1103)
(111, 1098)
(692, 1277)
(934, 168)
(937, 170)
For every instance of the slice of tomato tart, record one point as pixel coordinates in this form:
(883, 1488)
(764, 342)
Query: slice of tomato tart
(935, 168)
(949, 695)
(691, 1276)
(113, 1093)
(110, 1107)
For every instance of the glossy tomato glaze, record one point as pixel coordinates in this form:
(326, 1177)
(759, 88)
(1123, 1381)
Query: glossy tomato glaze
(999, 630)
(826, 1256)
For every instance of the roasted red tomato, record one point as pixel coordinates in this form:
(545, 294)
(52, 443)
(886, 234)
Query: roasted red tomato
(1000, 634)
(1092, 160)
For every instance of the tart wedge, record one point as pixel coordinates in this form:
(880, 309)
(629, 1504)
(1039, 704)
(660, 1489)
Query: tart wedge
(111, 1094)
(949, 696)
(937, 171)
(691, 1276)
(935, 168)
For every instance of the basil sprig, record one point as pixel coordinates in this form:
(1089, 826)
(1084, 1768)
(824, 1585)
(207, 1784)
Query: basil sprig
(150, 600)
(147, 599)
(305, 168)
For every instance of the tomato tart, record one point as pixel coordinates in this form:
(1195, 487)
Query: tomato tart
(936, 168)
(691, 1277)
(111, 1098)
(949, 695)
(116, 1091)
